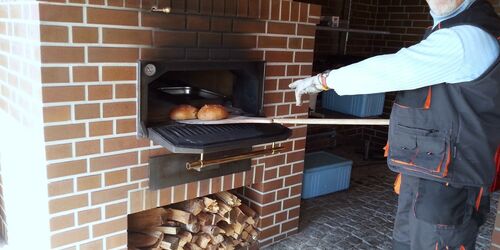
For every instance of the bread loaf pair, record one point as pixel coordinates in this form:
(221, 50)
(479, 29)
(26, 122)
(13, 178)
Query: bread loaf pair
(209, 112)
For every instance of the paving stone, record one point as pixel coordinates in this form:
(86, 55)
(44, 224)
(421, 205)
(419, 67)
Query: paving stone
(360, 218)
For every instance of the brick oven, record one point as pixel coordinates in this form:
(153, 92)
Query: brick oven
(68, 87)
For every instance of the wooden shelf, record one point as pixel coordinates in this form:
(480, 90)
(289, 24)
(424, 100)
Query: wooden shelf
(339, 29)
(325, 113)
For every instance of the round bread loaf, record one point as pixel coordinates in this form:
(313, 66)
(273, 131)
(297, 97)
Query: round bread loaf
(211, 112)
(183, 112)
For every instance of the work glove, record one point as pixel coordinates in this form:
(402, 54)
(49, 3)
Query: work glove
(310, 85)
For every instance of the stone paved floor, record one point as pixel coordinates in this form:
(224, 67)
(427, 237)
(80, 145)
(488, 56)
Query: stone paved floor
(360, 218)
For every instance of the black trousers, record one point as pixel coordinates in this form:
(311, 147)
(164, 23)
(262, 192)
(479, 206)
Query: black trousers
(433, 215)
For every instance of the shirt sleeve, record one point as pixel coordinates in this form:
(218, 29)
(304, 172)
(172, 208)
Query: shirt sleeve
(453, 55)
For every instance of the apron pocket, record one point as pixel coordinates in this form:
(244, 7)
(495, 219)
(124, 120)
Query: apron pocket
(442, 205)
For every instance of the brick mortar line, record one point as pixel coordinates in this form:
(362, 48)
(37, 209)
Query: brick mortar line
(94, 83)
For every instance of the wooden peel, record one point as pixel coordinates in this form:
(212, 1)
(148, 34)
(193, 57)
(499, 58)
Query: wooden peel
(304, 121)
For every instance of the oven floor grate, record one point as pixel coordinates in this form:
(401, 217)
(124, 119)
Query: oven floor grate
(210, 138)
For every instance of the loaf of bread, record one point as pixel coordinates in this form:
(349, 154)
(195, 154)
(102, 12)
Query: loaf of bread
(211, 112)
(183, 112)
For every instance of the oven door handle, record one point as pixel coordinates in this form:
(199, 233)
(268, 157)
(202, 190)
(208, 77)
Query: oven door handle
(200, 164)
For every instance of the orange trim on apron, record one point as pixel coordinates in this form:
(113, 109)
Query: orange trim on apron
(462, 247)
(478, 199)
(427, 104)
(386, 149)
(397, 184)
(436, 245)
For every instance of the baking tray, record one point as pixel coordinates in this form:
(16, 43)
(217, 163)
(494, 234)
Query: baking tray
(191, 92)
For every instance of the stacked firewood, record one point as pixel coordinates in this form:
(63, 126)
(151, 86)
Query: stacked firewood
(220, 221)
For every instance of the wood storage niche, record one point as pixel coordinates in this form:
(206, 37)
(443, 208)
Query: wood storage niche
(218, 221)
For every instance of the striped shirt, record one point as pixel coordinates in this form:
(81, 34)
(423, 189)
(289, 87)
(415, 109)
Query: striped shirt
(453, 55)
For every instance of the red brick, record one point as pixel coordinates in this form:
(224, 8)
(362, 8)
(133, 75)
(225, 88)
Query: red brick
(50, 33)
(179, 193)
(272, 185)
(279, 56)
(109, 227)
(55, 74)
(239, 41)
(272, 42)
(192, 190)
(56, 114)
(100, 128)
(87, 111)
(174, 39)
(87, 147)
(85, 35)
(89, 182)
(249, 26)
(125, 126)
(292, 180)
(275, 97)
(108, 54)
(125, 91)
(118, 73)
(109, 16)
(281, 28)
(62, 222)
(220, 24)
(287, 226)
(68, 237)
(228, 182)
(60, 187)
(285, 10)
(60, 13)
(68, 203)
(200, 23)
(54, 152)
(170, 21)
(69, 168)
(60, 54)
(126, 36)
(119, 109)
(291, 202)
(275, 9)
(63, 94)
(86, 74)
(62, 132)
(100, 92)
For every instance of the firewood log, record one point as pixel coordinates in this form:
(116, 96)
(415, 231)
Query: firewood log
(146, 219)
(212, 247)
(169, 242)
(184, 237)
(193, 227)
(227, 244)
(146, 239)
(237, 215)
(203, 240)
(212, 230)
(248, 211)
(228, 228)
(179, 216)
(217, 239)
(194, 206)
(192, 246)
(237, 227)
(223, 208)
(230, 199)
(211, 205)
(168, 230)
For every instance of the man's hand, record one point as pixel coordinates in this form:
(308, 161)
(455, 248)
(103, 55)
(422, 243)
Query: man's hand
(308, 85)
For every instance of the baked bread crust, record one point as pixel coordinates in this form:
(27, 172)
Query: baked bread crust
(183, 112)
(212, 112)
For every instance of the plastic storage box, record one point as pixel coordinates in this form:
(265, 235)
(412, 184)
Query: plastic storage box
(325, 173)
(357, 105)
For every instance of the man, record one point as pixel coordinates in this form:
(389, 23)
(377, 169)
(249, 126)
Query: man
(445, 122)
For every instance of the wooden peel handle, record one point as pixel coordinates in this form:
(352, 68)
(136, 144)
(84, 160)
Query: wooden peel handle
(327, 121)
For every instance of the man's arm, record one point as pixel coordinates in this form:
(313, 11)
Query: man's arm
(457, 54)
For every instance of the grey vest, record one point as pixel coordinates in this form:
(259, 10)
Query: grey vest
(450, 132)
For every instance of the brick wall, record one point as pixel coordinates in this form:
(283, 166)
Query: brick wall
(97, 169)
